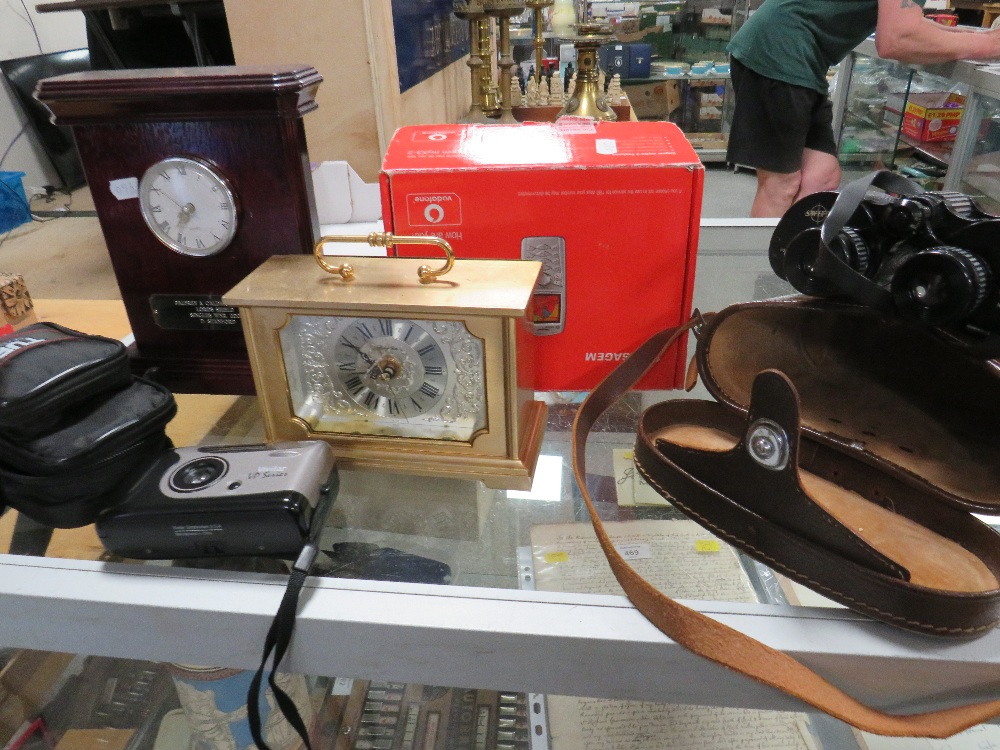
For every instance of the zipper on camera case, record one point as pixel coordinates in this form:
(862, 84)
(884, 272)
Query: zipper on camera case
(89, 432)
(46, 368)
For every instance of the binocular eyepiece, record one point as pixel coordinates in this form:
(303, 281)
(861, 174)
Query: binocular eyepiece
(935, 256)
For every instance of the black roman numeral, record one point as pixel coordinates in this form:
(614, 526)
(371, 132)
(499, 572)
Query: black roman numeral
(354, 385)
(434, 370)
(364, 331)
(429, 390)
(425, 350)
(385, 326)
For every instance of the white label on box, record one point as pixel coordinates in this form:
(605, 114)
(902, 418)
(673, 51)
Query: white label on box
(576, 125)
(606, 146)
(634, 551)
(125, 188)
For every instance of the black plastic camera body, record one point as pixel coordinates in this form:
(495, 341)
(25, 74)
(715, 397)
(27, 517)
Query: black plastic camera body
(934, 255)
(222, 501)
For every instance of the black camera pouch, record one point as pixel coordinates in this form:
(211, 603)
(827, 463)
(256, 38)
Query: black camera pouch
(84, 463)
(45, 369)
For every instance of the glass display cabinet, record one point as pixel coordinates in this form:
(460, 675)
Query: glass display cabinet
(895, 116)
(975, 167)
(426, 582)
(689, 76)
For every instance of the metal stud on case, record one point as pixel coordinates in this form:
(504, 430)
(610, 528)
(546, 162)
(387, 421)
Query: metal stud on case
(767, 444)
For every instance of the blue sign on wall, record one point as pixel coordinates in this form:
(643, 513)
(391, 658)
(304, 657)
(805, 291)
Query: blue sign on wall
(428, 39)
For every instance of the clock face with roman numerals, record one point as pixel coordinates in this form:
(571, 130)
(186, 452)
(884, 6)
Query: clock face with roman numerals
(188, 206)
(385, 376)
(394, 368)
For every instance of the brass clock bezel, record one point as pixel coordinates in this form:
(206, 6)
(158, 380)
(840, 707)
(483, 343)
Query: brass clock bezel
(145, 184)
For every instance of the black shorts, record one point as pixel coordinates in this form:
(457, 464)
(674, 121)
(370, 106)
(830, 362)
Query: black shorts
(775, 121)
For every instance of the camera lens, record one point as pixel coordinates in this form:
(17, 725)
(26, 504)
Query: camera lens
(940, 285)
(198, 474)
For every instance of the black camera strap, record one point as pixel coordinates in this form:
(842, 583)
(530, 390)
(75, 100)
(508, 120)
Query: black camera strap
(279, 635)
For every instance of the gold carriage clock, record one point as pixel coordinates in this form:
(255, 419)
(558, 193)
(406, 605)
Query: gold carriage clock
(397, 366)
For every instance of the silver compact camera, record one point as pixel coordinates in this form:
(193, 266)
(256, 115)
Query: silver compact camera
(223, 501)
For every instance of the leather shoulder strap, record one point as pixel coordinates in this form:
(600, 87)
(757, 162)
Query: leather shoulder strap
(720, 643)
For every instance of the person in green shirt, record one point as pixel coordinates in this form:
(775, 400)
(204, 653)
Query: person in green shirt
(783, 122)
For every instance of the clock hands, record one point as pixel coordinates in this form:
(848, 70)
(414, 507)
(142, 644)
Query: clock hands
(384, 369)
(187, 210)
(364, 356)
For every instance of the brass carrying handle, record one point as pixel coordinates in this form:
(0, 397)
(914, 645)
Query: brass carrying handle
(385, 239)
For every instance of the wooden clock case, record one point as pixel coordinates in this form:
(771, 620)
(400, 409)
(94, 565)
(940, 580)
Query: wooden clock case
(246, 123)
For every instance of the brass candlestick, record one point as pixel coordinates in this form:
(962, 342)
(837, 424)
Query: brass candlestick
(538, 6)
(503, 11)
(472, 11)
(489, 95)
(587, 99)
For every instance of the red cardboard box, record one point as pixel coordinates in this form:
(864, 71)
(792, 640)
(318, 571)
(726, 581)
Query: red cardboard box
(933, 117)
(611, 209)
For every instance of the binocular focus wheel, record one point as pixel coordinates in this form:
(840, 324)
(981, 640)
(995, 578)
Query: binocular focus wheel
(940, 285)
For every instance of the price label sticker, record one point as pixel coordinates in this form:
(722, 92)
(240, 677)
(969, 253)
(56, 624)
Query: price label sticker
(556, 557)
(342, 686)
(125, 188)
(606, 146)
(707, 545)
(640, 551)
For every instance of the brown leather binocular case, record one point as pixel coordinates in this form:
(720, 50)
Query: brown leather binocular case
(847, 451)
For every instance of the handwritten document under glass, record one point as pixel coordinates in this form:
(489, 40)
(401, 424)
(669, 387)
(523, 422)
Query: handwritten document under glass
(686, 562)
(678, 557)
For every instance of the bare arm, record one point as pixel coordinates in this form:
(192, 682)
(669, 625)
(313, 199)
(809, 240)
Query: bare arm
(904, 34)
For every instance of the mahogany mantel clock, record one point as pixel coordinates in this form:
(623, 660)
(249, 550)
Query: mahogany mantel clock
(198, 175)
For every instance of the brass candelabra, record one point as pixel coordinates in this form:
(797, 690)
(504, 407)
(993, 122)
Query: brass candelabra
(587, 99)
(488, 89)
(539, 6)
(473, 12)
(503, 11)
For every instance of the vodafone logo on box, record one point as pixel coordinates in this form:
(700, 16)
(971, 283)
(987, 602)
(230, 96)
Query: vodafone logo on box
(435, 136)
(433, 209)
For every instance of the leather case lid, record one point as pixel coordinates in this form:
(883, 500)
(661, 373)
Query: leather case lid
(883, 391)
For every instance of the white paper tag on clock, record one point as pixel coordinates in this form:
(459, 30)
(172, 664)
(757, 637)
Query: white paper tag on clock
(639, 551)
(125, 188)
